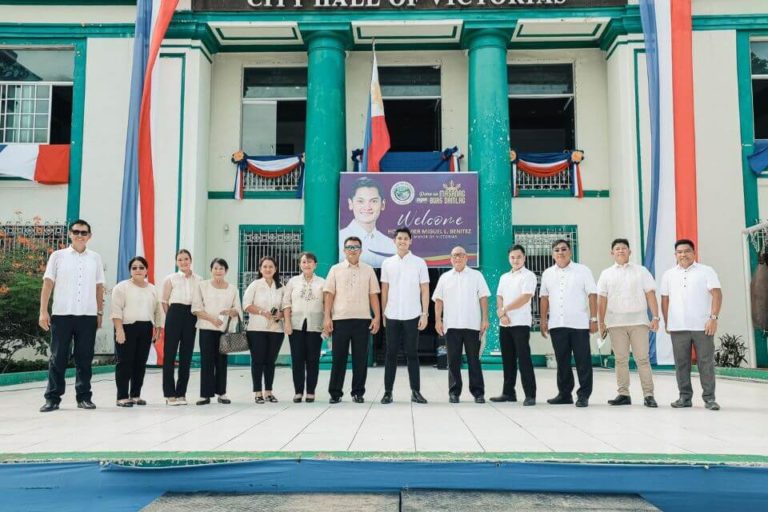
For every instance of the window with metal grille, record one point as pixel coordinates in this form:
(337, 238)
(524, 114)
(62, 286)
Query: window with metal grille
(537, 241)
(274, 120)
(541, 117)
(284, 244)
(759, 56)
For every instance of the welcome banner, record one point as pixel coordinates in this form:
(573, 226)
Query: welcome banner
(440, 209)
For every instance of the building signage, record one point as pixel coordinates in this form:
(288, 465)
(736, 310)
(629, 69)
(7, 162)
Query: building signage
(272, 5)
(440, 209)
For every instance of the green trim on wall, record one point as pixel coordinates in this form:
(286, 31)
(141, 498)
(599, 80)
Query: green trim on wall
(74, 188)
(293, 37)
(267, 194)
(361, 37)
(65, 30)
(202, 49)
(180, 168)
(730, 22)
(559, 194)
(638, 150)
(519, 33)
(89, 3)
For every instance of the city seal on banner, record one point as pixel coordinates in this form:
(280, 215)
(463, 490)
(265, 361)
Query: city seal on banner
(402, 193)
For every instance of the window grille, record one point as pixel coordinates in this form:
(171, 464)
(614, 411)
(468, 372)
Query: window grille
(32, 237)
(560, 181)
(283, 244)
(537, 241)
(288, 182)
(25, 112)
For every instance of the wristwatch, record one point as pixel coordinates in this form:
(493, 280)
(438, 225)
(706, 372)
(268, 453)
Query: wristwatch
(656, 318)
(713, 317)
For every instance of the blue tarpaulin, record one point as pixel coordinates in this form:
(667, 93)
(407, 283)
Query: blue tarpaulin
(758, 160)
(412, 161)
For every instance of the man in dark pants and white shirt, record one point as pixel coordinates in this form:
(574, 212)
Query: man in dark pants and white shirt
(405, 301)
(462, 294)
(75, 275)
(568, 307)
(690, 303)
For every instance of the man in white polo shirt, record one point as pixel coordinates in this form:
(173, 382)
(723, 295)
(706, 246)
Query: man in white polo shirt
(690, 302)
(568, 307)
(626, 292)
(461, 315)
(75, 275)
(513, 307)
(405, 301)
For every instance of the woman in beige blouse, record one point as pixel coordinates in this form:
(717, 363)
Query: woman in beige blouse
(263, 301)
(180, 330)
(213, 303)
(137, 316)
(303, 310)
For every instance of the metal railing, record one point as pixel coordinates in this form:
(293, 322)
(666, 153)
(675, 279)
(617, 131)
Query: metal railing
(286, 183)
(32, 236)
(560, 181)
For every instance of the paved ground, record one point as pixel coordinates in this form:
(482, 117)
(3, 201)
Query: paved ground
(739, 428)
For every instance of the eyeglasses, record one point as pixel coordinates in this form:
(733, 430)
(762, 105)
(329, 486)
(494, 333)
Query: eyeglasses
(352, 247)
(138, 268)
(78, 232)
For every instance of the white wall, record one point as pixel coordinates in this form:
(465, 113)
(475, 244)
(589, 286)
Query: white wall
(68, 13)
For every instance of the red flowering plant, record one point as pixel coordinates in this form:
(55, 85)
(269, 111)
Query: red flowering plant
(24, 250)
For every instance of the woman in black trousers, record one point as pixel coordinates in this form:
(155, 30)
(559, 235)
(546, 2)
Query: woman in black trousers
(136, 314)
(303, 311)
(214, 302)
(263, 300)
(180, 329)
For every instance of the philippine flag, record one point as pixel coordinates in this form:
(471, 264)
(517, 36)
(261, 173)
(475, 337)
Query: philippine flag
(137, 219)
(43, 163)
(673, 210)
(376, 142)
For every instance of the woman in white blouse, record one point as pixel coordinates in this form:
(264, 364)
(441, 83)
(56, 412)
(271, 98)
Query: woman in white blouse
(180, 330)
(263, 300)
(214, 302)
(303, 310)
(137, 316)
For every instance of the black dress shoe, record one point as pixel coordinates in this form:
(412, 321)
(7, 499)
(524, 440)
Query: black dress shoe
(480, 399)
(49, 406)
(86, 404)
(310, 400)
(124, 403)
(529, 401)
(203, 401)
(387, 398)
(224, 401)
(582, 402)
(620, 400)
(297, 399)
(501, 398)
(680, 403)
(416, 397)
(358, 399)
(560, 399)
(649, 401)
(334, 400)
(454, 399)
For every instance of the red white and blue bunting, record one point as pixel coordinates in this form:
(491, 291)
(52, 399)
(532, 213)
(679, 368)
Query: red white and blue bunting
(269, 167)
(547, 165)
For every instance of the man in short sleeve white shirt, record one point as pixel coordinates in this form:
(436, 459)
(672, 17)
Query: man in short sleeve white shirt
(461, 315)
(626, 292)
(690, 302)
(405, 301)
(513, 307)
(568, 307)
(75, 275)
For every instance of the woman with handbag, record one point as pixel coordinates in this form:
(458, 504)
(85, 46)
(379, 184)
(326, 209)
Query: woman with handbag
(214, 302)
(180, 331)
(137, 316)
(263, 301)
(303, 312)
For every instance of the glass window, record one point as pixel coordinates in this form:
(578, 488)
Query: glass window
(759, 56)
(540, 79)
(29, 65)
(412, 107)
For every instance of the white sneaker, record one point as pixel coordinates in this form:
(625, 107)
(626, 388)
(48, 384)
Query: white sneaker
(181, 400)
(171, 401)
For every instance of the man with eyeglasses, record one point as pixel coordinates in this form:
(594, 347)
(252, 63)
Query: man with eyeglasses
(626, 291)
(75, 277)
(366, 202)
(350, 293)
(405, 301)
(568, 307)
(691, 298)
(461, 315)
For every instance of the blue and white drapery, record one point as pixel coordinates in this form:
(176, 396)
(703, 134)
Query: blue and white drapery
(270, 167)
(448, 160)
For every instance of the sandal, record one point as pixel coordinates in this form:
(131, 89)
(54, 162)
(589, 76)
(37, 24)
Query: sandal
(139, 401)
(259, 399)
(124, 403)
(271, 398)
(297, 398)
(310, 399)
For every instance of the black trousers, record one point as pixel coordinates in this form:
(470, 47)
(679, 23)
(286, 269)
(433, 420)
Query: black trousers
(179, 337)
(405, 332)
(567, 341)
(213, 365)
(305, 359)
(516, 353)
(264, 347)
(132, 359)
(64, 329)
(348, 333)
(469, 340)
